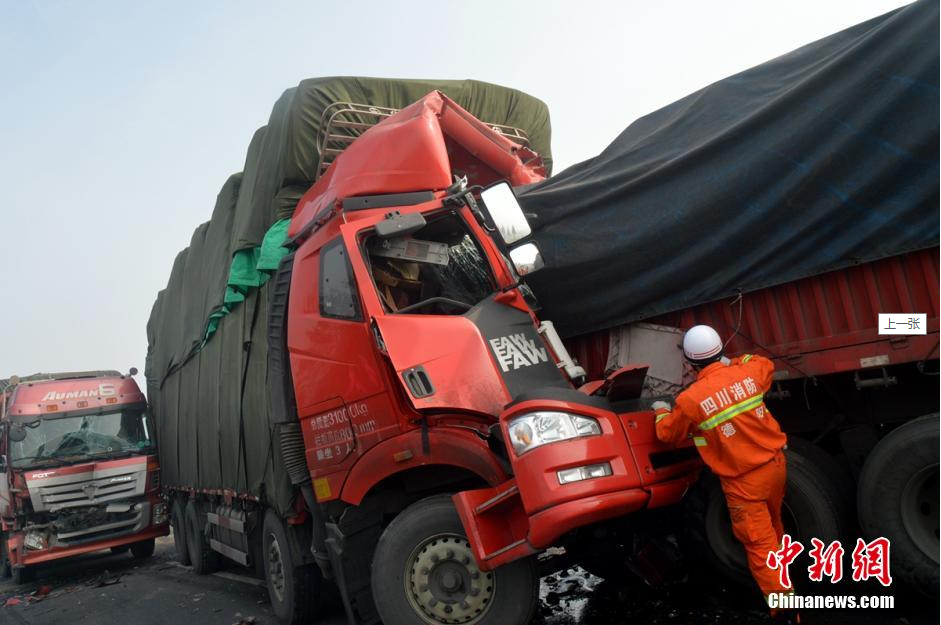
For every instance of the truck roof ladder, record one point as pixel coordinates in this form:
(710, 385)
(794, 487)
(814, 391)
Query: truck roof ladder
(342, 122)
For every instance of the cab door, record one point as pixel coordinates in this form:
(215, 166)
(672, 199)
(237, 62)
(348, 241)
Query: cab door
(338, 383)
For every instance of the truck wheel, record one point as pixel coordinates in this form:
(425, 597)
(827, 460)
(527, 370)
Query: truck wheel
(840, 477)
(424, 573)
(143, 549)
(4, 560)
(178, 526)
(23, 575)
(203, 558)
(898, 499)
(811, 510)
(295, 590)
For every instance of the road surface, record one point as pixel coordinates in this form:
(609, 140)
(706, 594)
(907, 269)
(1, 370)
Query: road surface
(114, 588)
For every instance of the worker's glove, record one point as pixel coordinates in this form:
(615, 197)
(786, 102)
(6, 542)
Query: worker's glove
(658, 405)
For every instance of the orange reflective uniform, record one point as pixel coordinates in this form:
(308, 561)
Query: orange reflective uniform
(724, 413)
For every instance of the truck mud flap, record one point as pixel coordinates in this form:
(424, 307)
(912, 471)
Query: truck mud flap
(496, 524)
(351, 561)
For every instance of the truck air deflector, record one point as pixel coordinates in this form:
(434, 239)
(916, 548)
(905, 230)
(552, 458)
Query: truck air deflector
(521, 358)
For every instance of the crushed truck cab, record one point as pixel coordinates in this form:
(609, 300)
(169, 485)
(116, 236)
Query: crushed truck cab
(424, 294)
(78, 469)
(402, 360)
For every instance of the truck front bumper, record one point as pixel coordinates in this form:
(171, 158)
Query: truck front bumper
(27, 557)
(530, 512)
(52, 544)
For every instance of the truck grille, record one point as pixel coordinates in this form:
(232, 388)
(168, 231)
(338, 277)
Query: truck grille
(97, 484)
(100, 525)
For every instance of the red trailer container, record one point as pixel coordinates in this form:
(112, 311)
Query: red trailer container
(859, 406)
(819, 325)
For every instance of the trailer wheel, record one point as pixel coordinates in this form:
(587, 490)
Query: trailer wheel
(143, 549)
(295, 590)
(811, 509)
(424, 573)
(840, 477)
(898, 499)
(178, 525)
(203, 558)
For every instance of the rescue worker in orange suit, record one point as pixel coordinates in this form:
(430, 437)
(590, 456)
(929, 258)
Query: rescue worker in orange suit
(724, 413)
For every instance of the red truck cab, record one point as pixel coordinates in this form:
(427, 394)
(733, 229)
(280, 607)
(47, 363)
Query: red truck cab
(413, 345)
(78, 469)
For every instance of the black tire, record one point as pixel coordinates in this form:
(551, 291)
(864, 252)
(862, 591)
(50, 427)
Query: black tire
(839, 476)
(811, 509)
(5, 571)
(202, 557)
(23, 575)
(143, 549)
(295, 590)
(178, 527)
(898, 499)
(119, 549)
(505, 596)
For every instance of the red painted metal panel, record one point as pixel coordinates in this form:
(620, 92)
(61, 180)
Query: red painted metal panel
(821, 324)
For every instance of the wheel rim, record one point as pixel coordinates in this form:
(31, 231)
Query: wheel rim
(275, 568)
(443, 583)
(920, 510)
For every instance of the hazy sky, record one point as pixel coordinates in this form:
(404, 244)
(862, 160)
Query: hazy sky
(119, 122)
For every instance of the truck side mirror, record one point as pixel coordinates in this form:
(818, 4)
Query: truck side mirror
(506, 213)
(526, 258)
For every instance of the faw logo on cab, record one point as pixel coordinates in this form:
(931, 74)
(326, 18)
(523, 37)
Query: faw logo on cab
(516, 350)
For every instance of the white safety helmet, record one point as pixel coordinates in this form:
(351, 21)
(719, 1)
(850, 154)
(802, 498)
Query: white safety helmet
(702, 345)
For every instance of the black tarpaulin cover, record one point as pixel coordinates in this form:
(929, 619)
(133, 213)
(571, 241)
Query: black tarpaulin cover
(819, 159)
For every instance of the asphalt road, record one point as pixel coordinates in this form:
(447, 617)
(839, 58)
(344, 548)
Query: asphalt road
(109, 588)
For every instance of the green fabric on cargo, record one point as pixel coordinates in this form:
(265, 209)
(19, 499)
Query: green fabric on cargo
(272, 248)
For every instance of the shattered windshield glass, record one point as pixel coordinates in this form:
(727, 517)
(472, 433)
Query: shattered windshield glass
(438, 270)
(81, 437)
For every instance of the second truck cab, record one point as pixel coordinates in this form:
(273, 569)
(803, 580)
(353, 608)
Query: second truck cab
(78, 469)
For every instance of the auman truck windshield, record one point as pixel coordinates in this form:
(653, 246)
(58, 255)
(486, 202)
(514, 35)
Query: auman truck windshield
(84, 436)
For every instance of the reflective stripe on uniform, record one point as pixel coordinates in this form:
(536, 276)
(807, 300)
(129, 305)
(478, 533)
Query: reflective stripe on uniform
(746, 358)
(699, 441)
(731, 411)
(661, 416)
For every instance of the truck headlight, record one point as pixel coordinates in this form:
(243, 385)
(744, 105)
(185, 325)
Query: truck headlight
(534, 429)
(36, 540)
(160, 514)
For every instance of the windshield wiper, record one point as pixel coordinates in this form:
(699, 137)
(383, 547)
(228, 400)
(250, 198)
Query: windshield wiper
(27, 461)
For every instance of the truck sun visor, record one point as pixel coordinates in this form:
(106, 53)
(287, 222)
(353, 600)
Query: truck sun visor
(407, 248)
